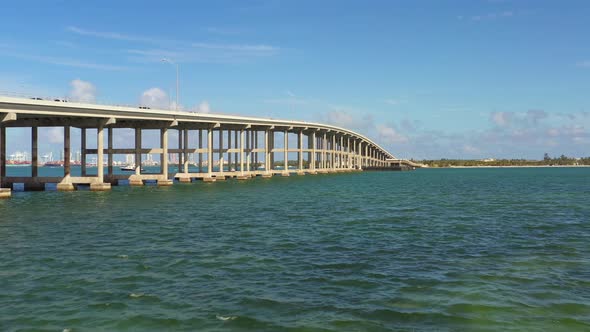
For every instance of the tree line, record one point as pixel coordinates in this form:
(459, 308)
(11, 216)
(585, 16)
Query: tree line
(546, 161)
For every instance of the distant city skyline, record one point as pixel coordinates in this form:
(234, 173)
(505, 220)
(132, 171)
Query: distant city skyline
(426, 80)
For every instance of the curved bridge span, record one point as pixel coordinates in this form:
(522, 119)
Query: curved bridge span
(222, 145)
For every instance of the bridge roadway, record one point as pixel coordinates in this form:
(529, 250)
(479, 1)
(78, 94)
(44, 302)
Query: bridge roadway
(320, 148)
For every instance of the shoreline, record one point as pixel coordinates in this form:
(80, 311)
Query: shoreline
(516, 166)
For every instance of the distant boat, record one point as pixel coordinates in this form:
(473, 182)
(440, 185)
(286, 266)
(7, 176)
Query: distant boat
(129, 168)
(54, 164)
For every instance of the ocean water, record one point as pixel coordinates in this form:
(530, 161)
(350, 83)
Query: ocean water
(430, 250)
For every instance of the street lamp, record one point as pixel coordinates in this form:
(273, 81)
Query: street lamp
(177, 69)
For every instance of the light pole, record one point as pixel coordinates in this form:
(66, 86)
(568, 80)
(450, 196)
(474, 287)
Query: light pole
(177, 70)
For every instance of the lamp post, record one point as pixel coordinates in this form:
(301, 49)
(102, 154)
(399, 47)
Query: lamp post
(177, 70)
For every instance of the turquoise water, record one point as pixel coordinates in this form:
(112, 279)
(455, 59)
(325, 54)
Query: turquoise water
(445, 250)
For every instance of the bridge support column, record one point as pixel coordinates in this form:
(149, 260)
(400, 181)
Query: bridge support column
(220, 156)
(164, 159)
(242, 176)
(249, 154)
(333, 153)
(34, 152)
(200, 154)
(4, 192)
(300, 153)
(286, 153)
(185, 152)
(256, 147)
(229, 159)
(65, 184)
(100, 185)
(325, 147)
(136, 179)
(342, 154)
(110, 152)
(311, 145)
(83, 151)
(267, 149)
(209, 177)
(236, 132)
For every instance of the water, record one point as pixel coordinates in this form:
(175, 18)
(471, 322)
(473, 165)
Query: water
(468, 249)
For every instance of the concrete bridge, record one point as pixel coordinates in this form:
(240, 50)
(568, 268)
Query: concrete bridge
(245, 144)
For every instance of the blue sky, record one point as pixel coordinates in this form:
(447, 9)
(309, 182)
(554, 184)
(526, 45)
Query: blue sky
(426, 79)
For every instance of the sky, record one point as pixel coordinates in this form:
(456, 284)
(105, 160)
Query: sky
(425, 79)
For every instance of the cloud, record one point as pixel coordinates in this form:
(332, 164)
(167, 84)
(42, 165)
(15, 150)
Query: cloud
(340, 119)
(203, 107)
(291, 99)
(584, 64)
(501, 119)
(224, 31)
(388, 135)
(184, 51)
(488, 16)
(82, 91)
(107, 35)
(54, 135)
(528, 118)
(155, 98)
(63, 61)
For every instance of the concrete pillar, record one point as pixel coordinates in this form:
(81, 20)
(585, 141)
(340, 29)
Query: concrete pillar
(65, 184)
(101, 185)
(164, 146)
(34, 152)
(138, 151)
(4, 192)
(256, 147)
(100, 153)
(272, 146)
(242, 151)
(110, 152)
(67, 152)
(342, 152)
(180, 148)
(313, 151)
(267, 153)
(334, 148)
(83, 151)
(209, 151)
(2, 154)
(248, 151)
(300, 147)
(236, 132)
(221, 159)
(324, 148)
(200, 147)
(229, 166)
(185, 150)
(286, 153)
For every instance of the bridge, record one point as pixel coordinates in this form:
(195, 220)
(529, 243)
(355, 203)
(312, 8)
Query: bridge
(245, 144)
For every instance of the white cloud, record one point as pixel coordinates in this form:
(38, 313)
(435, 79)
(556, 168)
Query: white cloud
(489, 16)
(501, 119)
(155, 98)
(340, 119)
(62, 61)
(107, 35)
(203, 107)
(389, 135)
(184, 51)
(82, 91)
(54, 135)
